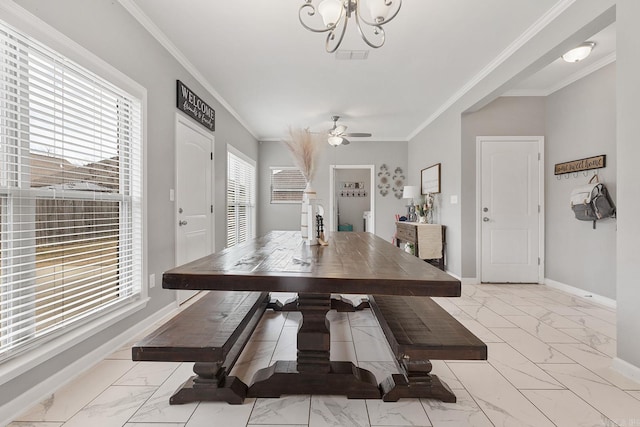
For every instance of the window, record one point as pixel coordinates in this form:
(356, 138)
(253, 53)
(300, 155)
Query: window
(241, 197)
(70, 194)
(287, 185)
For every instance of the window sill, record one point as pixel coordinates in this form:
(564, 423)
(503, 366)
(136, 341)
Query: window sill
(39, 354)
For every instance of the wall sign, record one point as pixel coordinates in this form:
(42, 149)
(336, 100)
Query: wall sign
(595, 162)
(195, 107)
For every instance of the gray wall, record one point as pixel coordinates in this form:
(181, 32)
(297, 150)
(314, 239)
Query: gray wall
(628, 149)
(437, 144)
(287, 217)
(508, 116)
(106, 29)
(581, 122)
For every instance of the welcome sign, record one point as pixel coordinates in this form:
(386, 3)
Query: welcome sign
(192, 105)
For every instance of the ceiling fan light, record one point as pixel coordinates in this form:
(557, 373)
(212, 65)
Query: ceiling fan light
(579, 53)
(334, 140)
(340, 129)
(330, 10)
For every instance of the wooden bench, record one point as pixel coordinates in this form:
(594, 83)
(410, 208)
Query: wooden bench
(418, 330)
(212, 333)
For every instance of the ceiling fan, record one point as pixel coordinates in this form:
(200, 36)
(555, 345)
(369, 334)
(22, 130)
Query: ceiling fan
(337, 134)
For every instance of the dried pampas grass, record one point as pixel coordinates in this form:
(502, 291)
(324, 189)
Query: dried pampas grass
(304, 147)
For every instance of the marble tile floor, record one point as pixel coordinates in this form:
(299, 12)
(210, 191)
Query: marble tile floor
(549, 358)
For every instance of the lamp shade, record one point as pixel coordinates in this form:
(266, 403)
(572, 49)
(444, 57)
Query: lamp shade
(410, 192)
(378, 10)
(330, 10)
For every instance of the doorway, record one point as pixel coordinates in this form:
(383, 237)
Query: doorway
(352, 198)
(194, 194)
(510, 219)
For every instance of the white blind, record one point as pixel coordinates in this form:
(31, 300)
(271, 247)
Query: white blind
(287, 185)
(241, 189)
(70, 193)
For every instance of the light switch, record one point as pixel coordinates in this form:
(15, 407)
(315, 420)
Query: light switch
(172, 195)
(454, 200)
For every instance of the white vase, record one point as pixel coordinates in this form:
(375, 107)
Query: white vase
(307, 215)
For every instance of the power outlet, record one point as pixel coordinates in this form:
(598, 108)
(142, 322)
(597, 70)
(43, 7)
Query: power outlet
(152, 280)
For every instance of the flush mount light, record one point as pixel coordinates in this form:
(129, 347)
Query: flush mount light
(370, 16)
(579, 53)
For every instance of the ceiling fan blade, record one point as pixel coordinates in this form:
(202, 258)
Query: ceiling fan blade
(358, 134)
(345, 141)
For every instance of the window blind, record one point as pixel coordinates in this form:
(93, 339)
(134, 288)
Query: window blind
(70, 193)
(241, 188)
(287, 185)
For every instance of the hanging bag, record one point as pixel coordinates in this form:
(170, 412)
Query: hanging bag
(592, 202)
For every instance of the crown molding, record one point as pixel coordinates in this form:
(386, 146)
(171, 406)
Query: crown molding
(531, 32)
(156, 33)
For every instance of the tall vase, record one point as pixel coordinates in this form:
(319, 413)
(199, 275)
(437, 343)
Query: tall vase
(307, 216)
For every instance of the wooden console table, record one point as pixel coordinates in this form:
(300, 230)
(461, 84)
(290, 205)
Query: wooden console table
(428, 240)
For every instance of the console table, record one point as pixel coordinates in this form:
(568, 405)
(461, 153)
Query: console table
(428, 240)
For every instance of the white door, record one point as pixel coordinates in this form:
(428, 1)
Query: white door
(510, 209)
(194, 209)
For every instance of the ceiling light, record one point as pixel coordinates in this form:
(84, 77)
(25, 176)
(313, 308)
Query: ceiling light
(334, 140)
(335, 14)
(579, 53)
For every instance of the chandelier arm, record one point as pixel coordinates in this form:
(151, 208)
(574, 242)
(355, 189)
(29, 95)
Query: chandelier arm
(310, 10)
(332, 34)
(384, 21)
(377, 30)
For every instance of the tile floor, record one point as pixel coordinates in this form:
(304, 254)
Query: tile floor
(549, 357)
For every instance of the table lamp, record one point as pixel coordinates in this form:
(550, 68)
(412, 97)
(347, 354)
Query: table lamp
(411, 192)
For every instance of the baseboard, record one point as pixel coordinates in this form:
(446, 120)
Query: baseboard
(626, 369)
(46, 388)
(470, 281)
(588, 296)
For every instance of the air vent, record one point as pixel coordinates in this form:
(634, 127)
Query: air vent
(352, 55)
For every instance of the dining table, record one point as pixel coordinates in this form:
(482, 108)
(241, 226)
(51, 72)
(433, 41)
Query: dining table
(281, 261)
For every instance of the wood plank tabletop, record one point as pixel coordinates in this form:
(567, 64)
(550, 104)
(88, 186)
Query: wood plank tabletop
(352, 263)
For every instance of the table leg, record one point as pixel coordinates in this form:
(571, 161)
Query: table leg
(313, 372)
(314, 341)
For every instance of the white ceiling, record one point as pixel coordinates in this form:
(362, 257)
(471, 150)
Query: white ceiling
(272, 73)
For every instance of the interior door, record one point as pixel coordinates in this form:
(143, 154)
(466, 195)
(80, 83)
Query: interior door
(194, 209)
(510, 203)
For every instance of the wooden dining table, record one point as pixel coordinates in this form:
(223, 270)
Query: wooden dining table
(280, 261)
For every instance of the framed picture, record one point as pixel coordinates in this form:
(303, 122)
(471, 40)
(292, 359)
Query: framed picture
(430, 179)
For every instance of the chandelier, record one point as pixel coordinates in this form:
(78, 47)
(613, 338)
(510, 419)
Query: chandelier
(336, 13)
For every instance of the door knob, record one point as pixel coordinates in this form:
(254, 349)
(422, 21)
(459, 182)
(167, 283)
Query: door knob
(181, 223)
(485, 219)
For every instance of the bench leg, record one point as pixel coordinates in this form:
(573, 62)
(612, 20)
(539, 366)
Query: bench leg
(416, 382)
(211, 384)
